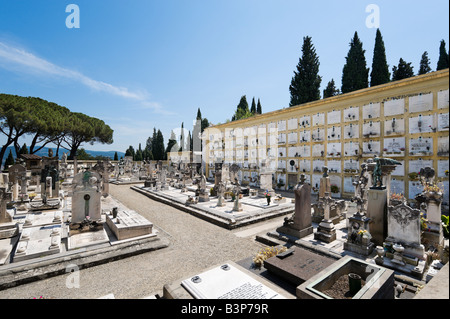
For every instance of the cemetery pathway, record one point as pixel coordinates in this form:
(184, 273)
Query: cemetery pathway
(195, 244)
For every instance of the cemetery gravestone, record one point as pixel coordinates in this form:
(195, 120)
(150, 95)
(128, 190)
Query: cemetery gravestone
(300, 224)
(86, 203)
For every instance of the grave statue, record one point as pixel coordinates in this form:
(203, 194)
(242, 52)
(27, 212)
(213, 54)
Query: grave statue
(220, 194)
(299, 225)
(377, 172)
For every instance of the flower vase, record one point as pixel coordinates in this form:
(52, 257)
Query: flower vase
(268, 201)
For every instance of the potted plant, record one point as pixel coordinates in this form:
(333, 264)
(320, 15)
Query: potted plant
(267, 196)
(334, 189)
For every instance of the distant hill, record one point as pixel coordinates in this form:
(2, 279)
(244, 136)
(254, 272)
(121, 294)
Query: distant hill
(44, 152)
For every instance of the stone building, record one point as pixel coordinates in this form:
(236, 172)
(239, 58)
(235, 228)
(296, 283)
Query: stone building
(407, 120)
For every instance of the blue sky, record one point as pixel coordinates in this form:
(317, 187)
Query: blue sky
(144, 64)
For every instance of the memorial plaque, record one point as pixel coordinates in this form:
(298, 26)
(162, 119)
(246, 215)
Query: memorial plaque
(294, 151)
(281, 125)
(414, 188)
(318, 150)
(297, 265)
(334, 150)
(443, 122)
(334, 117)
(371, 111)
(443, 99)
(351, 114)
(318, 119)
(348, 185)
(421, 146)
(281, 164)
(305, 136)
(315, 183)
(421, 124)
(421, 102)
(443, 165)
(318, 135)
(304, 151)
(336, 180)
(273, 139)
(371, 129)
(334, 133)
(317, 165)
(351, 131)
(394, 146)
(397, 186)
(351, 166)
(282, 138)
(399, 169)
(394, 107)
(334, 166)
(394, 126)
(282, 152)
(371, 148)
(262, 129)
(304, 121)
(292, 166)
(351, 149)
(446, 192)
(305, 165)
(292, 124)
(443, 147)
(292, 138)
(416, 166)
(228, 282)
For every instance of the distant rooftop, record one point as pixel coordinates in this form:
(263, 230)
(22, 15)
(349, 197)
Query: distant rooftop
(30, 156)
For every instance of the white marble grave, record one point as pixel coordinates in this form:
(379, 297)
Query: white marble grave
(38, 241)
(228, 282)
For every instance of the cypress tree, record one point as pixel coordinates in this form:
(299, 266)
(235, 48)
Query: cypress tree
(402, 71)
(305, 84)
(355, 74)
(9, 160)
(182, 140)
(159, 150)
(242, 110)
(23, 149)
(330, 90)
(116, 157)
(259, 108)
(424, 64)
(253, 108)
(380, 69)
(443, 57)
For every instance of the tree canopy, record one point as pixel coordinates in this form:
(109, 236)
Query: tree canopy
(47, 122)
(402, 71)
(305, 84)
(355, 73)
(380, 69)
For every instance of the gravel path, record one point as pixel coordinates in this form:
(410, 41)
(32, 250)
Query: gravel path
(194, 245)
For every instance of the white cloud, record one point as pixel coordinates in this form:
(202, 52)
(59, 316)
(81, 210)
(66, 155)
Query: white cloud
(28, 62)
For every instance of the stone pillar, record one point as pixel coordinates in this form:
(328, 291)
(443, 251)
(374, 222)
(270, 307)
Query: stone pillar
(377, 212)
